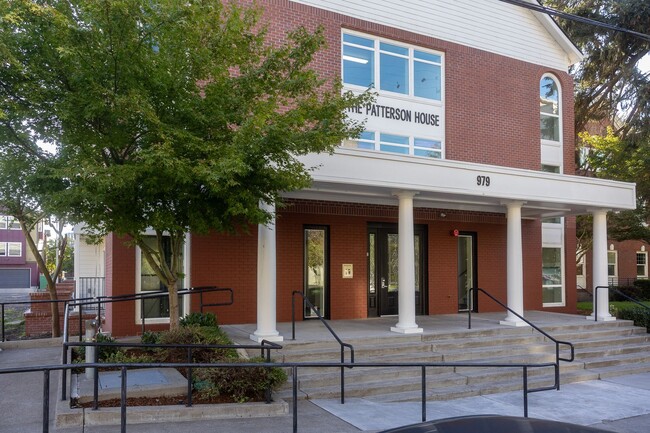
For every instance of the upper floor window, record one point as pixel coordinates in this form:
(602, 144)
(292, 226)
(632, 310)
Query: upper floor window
(391, 67)
(549, 105)
(642, 264)
(3, 222)
(14, 249)
(612, 264)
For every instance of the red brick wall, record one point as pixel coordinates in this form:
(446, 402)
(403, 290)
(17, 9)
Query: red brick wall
(626, 259)
(120, 280)
(491, 101)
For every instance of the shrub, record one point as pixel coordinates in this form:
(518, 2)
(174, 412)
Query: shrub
(241, 384)
(633, 292)
(199, 319)
(150, 337)
(640, 316)
(128, 358)
(644, 287)
(196, 335)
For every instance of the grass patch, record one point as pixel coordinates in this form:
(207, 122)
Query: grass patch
(588, 306)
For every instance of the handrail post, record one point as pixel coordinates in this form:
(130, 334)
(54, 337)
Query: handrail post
(293, 316)
(342, 375)
(80, 327)
(189, 378)
(123, 401)
(424, 394)
(525, 373)
(557, 365)
(294, 374)
(99, 312)
(595, 304)
(95, 377)
(142, 313)
(3, 321)
(469, 311)
(201, 302)
(64, 378)
(46, 401)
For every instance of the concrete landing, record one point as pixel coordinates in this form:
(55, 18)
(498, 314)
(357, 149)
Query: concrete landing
(146, 382)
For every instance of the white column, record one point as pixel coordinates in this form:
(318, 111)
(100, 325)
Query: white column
(266, 281)
(514, 265)
(600, 265)
(406, 267)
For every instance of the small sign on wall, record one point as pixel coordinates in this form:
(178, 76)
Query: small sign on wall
(347, 270)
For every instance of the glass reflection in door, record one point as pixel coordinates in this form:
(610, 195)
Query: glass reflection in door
(316, 271)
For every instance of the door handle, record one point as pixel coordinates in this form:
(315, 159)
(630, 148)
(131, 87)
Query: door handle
(383, 283)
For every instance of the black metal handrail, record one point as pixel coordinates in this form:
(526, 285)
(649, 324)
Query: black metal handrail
(294, 366)
(99, 301)
(342, 344)
(629, 298)
(129, 297)
(265, 348)
(535, 327)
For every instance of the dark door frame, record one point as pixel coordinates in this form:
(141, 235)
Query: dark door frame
(326, 267)
(374, 299)
(474, 236)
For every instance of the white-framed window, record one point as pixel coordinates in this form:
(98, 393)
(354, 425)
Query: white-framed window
(549, 107)
(550, 122)
(400, 144)
(156, 310)
(642, 264)
(407, 117)
(552, 276)
(612, 266)
(13, 223)
(3, 222)
(14, 249)
(3, 249)
(389, 66)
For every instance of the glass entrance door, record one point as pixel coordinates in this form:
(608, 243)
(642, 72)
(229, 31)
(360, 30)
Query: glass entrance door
(466, 271)
(316, 270)
(383, 270)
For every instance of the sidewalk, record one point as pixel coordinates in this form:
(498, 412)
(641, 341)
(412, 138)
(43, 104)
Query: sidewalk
(619, 404)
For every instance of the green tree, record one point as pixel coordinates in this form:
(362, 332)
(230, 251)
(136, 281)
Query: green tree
(174, 116)
(17, 199)
(52, 255)
(611, 91)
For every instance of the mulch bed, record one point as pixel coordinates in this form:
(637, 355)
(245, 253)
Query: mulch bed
(158, 401)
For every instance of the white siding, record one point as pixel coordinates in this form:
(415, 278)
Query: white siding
(488, 25)
(90, 259)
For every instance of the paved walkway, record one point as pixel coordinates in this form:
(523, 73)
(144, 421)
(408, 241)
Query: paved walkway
(619, 404)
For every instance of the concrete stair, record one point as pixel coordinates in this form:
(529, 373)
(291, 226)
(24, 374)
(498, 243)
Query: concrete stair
(602, 349)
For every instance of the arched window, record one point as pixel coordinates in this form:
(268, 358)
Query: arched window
(549, 106)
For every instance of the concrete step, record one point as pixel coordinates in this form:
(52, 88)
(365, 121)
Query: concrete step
(314, 352)
(622, 369)
(618, 360)
(478, 342)
(490, 352)
(606, 352)
(382, 387)
(611, 341)
(595, 334)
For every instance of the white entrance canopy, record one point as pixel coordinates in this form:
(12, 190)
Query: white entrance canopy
(373, 177)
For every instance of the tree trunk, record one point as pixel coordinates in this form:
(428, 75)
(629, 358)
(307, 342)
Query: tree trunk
(54, 308)
(174, 312)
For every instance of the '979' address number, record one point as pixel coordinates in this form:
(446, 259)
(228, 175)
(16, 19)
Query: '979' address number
(483, 180)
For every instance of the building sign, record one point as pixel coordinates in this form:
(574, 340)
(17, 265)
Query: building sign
(398, 116)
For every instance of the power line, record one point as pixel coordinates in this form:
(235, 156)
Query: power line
(554, 12)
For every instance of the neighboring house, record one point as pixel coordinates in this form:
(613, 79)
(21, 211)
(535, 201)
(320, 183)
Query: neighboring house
(627, 261)
(18, 267)
(89, 262)
(463, 178)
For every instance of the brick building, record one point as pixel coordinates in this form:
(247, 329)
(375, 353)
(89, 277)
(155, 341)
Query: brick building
(463, 178)
(18, 268)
